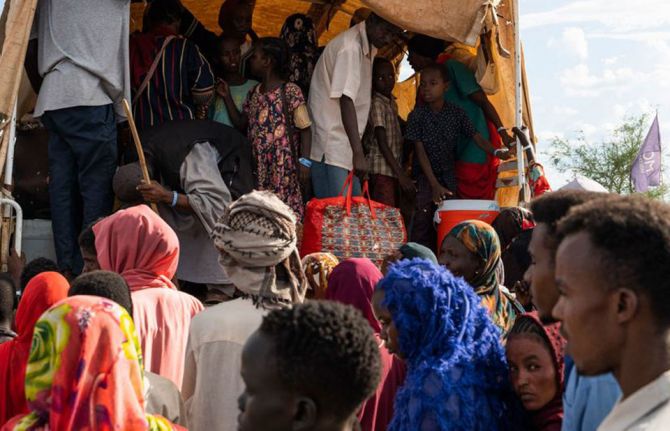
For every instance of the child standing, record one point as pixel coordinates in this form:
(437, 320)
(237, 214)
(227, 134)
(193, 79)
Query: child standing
(435, 128)
(384, 140)
(278, 125)
(232, 88)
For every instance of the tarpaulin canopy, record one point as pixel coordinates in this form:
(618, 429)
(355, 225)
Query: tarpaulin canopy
(454, 20)
(330, 16)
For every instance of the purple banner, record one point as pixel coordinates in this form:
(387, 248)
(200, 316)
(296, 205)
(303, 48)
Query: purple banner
(646, 171)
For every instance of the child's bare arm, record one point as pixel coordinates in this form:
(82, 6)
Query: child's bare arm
(305, 150)
(306, 142)
(490, 112)
(525, 143)
(239, 119)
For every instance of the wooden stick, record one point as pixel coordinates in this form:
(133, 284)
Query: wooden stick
(138, 147)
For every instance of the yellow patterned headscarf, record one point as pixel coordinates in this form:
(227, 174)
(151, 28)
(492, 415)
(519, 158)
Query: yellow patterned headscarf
(85, 370)
(318, 267)
(481, 239)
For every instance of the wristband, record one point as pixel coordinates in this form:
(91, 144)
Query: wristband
(175, 198)
(305, 162)
(501, 129)
(499, 150)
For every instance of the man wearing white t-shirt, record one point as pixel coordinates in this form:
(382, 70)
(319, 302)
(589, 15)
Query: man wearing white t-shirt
(339, 100)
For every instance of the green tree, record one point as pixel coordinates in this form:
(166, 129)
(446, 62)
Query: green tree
(608, 162)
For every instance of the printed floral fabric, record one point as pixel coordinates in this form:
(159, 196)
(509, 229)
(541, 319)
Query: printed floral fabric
(273, 150)
(300, 36)
(84, 371)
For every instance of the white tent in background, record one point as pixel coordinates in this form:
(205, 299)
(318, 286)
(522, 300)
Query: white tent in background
(583, 183)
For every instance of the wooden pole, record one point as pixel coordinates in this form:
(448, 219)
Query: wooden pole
(16, 22)
(138, 147)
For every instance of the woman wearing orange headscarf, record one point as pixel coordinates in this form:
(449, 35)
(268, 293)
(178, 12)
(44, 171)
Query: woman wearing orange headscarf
(41, 293)
(84, 371)
(140, 246)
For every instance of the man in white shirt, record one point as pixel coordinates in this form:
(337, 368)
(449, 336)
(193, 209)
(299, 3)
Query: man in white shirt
(613, 275)
(339, 100)
(82, 56)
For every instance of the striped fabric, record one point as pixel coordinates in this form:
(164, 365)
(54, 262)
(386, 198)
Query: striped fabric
(182, 80)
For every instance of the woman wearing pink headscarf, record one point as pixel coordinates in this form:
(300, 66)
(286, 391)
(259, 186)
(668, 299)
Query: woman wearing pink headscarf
(140, 246)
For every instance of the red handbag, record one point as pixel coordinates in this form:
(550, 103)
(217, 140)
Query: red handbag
(349, 226)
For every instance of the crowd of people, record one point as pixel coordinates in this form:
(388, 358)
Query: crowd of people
(300, 118)
(319, 344)
(201, 314)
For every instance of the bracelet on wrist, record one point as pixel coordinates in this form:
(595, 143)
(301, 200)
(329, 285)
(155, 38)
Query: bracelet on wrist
(502, 129)
(175, 198)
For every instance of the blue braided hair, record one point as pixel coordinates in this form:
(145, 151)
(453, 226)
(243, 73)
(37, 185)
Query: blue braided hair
(457, 372)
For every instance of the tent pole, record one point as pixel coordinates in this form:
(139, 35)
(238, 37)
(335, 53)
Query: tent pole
(518, 105)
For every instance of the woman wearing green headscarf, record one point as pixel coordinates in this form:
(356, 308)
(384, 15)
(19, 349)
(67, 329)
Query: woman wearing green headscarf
(409, 251)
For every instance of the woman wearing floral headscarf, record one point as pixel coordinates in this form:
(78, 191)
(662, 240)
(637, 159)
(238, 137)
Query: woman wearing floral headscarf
(472, 251)
(300, 35)
(85, 371)
(456, 368)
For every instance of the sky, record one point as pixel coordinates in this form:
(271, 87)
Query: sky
(591, 63)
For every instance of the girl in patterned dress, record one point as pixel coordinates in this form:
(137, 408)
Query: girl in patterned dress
(280, 135)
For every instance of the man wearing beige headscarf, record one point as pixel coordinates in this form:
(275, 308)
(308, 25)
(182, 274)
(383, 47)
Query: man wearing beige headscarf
(257, 240)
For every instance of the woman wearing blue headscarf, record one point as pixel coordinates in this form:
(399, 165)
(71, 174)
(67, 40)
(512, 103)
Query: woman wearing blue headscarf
(457, 376)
